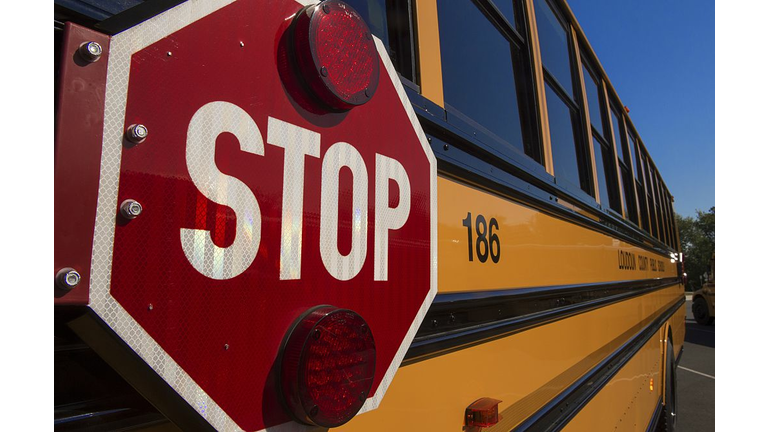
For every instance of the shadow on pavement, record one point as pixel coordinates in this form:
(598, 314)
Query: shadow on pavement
(699, 334)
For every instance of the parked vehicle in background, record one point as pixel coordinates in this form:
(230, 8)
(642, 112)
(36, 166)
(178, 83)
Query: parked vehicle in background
(704, 298)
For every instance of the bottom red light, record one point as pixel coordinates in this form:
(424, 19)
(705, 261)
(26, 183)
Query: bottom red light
(482, 413)
(327, 366)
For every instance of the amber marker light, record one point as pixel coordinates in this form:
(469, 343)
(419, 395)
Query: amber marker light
(482, 413)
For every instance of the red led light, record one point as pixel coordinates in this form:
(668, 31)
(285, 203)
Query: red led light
(482, 413)
(336, 55)
(327, 366)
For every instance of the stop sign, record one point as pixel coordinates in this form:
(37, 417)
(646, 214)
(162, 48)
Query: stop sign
(251, 207)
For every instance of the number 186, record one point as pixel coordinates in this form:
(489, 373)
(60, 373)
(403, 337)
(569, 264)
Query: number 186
(487, 242)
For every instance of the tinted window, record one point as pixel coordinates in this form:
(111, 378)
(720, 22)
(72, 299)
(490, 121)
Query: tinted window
(602, 182)
(649, 196)
(507, 8)
(618, 136)
(553, 40)
(478, 70)
(659, 207)
(643, 209)
(629, 195)
(374, 12)
(593, 100)
(636, 151)
(564, 154)
(391, 21)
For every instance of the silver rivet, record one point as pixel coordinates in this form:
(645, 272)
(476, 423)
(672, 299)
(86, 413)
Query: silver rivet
(169, 53)
(90, 51)
(242, 44)
(324, 71)
(150, 307)
(226, 347)
(136, 133)
(67, 278)
(130, 209)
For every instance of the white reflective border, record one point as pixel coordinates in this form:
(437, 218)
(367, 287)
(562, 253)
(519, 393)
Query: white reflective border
(122, 47)
(373, 402)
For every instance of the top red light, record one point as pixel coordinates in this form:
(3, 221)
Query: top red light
(336, 54)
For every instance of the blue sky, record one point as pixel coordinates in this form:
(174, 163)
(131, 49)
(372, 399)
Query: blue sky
(660, 57)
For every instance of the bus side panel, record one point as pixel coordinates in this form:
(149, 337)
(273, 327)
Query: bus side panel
(532, 248)
(524, 370)
(610, 409)
(628, 401)
(677, 324)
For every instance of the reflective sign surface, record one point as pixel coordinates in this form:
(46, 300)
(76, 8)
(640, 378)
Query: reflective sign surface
(256, 206)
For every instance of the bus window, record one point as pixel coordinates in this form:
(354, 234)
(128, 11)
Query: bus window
(649, 197)
(657, 202)
(619, 137)
(636, 152)
(569, 152)
(553, 40)
(483, 84)
(568, 161)
(392, 22)
(639, 184)
(664, 210)
(604, 166)
(507, 9)
(593, 99)
(625, 163)
(603, 157)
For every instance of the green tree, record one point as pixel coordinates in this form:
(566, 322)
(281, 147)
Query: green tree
(697, 240)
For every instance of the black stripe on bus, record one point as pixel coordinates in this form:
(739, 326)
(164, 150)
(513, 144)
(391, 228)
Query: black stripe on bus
(461, 320)
(562, 408)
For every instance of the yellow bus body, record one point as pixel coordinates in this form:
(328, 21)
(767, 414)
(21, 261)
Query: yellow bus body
(527, 369)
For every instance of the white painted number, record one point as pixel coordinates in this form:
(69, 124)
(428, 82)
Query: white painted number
(299, 143)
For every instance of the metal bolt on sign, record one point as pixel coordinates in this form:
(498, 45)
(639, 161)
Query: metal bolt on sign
(136, 133)
(67, 278)
(90, 51)
(130, 209)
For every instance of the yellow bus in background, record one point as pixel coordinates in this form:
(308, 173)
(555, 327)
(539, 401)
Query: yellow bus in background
(703, 307)
(560, 304)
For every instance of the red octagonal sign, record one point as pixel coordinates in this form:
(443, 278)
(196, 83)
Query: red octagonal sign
(256, 206)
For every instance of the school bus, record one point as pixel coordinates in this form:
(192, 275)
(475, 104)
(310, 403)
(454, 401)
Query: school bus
(703, 306)
(559, 299)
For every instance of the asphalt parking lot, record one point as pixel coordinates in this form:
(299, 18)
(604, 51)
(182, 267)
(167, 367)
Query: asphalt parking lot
(696, 377)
